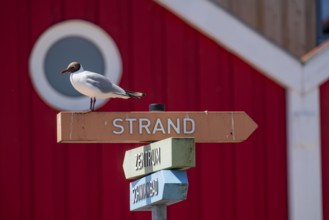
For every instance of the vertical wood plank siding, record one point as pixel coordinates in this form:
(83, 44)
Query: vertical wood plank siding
(173, 64)
(324, 89)
(290, 24)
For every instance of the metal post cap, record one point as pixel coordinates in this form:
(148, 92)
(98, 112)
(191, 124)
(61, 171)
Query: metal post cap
(156, 107)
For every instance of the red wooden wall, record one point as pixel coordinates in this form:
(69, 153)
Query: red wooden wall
(173, 64)
(324, 89)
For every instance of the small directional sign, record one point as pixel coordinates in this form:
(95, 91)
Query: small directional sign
(164, 187)
(170, 153)
(135, 127)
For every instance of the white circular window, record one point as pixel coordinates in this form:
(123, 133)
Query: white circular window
(72, 40)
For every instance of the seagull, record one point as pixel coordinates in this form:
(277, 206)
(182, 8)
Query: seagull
(95, 85)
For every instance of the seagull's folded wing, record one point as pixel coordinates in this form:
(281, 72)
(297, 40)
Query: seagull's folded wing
(104, 84)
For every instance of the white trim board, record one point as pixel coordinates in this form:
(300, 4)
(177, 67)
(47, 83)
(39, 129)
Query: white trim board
(304, 156)
(302, 81)
(271, 60)
(316, 70)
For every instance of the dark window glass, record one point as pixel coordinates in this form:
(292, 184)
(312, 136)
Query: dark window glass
(323, 20)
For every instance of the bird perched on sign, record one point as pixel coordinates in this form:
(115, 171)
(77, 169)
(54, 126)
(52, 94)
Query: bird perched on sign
(95, 85)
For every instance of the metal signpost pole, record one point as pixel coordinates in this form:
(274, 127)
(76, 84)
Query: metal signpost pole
(159, 212)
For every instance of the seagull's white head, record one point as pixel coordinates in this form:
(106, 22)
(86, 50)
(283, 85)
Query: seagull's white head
(73, 67)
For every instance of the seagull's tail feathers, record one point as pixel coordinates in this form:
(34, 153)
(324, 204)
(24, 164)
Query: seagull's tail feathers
(136, 95)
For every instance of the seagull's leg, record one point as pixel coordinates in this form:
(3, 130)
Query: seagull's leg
(94, 101)
(91, 104)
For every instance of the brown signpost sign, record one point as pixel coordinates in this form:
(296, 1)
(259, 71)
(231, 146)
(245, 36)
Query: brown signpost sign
(137, 127)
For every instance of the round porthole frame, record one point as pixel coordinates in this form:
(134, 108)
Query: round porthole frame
(59, 31)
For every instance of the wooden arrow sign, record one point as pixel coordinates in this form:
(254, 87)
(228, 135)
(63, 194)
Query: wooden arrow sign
(135, 127)
(170, 153)
(164, 187)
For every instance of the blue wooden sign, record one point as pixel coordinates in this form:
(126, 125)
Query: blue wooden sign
(164, 187)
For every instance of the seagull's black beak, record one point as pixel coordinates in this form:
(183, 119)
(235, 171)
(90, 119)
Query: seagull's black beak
(65, 71)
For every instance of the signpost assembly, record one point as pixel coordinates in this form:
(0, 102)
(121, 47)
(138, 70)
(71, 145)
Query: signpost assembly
(170, 148)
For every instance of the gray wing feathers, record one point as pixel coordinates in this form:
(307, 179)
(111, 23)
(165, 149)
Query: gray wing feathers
(104, 84)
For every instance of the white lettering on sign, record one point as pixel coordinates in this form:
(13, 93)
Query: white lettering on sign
(120, 127)
(176, 126)
(144, 126)
(148, 158)
(131, 120)
(146, 190)
(144, 123)
(192, 126)
(158, 127)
